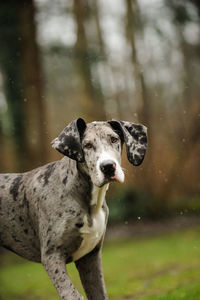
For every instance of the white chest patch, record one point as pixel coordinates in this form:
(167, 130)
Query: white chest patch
(92, 234)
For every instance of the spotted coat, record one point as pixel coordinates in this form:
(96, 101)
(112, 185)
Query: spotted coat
(57, 213)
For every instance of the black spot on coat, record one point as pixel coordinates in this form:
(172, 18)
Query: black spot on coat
(14, 190)
(49, 170)
(64, 180)
(79, 225)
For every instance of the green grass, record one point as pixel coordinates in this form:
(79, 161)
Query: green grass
(157, 268)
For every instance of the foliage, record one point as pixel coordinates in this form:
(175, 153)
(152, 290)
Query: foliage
(128, 204)
(154, 268)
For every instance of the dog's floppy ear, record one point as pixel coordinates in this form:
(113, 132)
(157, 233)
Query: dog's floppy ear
(135, 138)
(69, 140)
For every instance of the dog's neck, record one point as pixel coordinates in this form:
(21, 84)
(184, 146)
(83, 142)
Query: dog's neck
(98, 197)
(97, 194)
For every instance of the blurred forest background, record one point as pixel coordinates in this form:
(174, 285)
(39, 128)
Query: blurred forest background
(135, 60)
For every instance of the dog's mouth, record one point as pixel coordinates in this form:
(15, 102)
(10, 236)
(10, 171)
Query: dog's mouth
(113, 178)
(116, 178)
(120, 180)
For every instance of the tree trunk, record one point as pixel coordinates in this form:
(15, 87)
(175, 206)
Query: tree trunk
(90, 102)
(19, 58)
(34, 103)
(144, 108)
(132, 13)
(10, 60)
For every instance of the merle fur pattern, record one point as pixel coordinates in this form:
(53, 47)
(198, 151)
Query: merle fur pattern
(43, 211)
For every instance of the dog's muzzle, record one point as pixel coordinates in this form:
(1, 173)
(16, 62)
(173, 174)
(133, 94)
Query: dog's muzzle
(108, 168)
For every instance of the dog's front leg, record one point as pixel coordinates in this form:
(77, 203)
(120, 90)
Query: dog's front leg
(91, 274)
(55, 266)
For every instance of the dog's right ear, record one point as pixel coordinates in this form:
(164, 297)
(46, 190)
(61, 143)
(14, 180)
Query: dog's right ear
(69, 140)
(135, 138)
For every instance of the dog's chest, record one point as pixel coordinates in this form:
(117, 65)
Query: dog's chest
(92, 235)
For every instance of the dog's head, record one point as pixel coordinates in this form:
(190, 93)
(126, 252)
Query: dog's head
(98, 146)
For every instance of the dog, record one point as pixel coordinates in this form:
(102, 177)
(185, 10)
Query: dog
(57, 213)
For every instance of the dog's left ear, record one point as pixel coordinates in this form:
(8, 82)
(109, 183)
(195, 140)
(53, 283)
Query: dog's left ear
(135, 138)
(69, 140)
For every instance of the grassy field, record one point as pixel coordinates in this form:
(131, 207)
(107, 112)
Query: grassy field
(154, 268)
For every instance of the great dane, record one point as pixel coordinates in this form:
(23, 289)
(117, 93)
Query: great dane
(57, 213)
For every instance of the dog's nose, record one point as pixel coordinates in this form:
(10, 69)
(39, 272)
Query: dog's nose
(108, 168)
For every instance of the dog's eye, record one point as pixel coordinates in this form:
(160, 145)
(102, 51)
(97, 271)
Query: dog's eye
(114, 139)
(88, 146)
